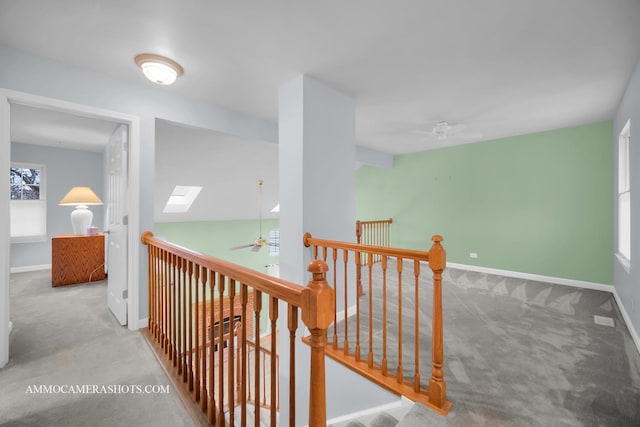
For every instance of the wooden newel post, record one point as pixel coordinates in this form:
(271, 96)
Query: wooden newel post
(437, 384)
(318, 306)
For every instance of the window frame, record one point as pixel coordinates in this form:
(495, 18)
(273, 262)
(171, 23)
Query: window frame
(623, 198)
(274, 239)
(41, 201)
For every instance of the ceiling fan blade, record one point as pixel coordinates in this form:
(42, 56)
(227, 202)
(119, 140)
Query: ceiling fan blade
(233, 248)
(256, 248)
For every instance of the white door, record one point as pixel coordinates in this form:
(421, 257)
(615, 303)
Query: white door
(116, 215)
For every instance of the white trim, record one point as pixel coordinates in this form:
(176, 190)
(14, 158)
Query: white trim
(624, 262)
(143, 323)
(627, 320)
(536, 277)
(10, 96)
(351, 311)
(5, 247)
(370, 411)
(28, 268)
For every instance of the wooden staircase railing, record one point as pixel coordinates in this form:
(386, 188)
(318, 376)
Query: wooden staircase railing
(205, 363)
(346, 340)
(375, 233)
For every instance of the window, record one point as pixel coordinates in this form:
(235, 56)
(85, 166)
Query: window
(28, 206)
(624, 198)
(181, 199)
(274, 242)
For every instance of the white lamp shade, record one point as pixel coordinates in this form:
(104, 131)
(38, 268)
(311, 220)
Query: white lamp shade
(81, 218)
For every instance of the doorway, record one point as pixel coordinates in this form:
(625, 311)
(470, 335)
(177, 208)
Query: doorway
(11, 99)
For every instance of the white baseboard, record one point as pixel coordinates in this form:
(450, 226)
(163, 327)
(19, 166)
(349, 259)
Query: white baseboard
(369, 411)
(536, 277)
(351, 311)
(559, 281)
(28, 268)
(627, 320)
(143, 323)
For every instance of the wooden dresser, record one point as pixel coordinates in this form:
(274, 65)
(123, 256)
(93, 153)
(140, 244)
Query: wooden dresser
(77, 259)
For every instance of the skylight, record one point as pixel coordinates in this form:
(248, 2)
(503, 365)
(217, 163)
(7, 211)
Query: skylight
(276, 208)
(181, 199)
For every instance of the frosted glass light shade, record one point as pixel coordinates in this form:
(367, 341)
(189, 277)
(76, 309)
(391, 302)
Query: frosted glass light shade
(159, 69)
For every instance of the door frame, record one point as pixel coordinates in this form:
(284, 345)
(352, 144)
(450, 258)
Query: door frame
(8, 97)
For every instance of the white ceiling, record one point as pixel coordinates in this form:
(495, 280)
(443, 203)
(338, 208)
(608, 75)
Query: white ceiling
(502, 67)
(38, 126)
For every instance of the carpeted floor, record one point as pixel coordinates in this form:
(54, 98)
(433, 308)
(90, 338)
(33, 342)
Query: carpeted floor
(66, 336)
(517, 352)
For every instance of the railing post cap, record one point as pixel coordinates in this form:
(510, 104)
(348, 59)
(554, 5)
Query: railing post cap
(437, 238)
(317, 266)
(305, 239)
(146, 236)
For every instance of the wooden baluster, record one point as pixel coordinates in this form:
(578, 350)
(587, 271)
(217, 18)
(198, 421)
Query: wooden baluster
(150, 274)
(416, 333)
(318, 302)
(370, 354)
(357, 349)
(230, 353)
(203, 343)
(384, 315)
(152, 290)
(400, 368)
(263, 380)
(257, 308)
(242, 393)
(174, 322)
(163, 292)
(221, 290)
(211, 332)
(196, 321)
(358, 231)
(273, 316)
(292, 323)
(190, 326)
(335, 287)
(237, 331)
(179, 337)
(345, 266)
(437, 384)
(185, 311)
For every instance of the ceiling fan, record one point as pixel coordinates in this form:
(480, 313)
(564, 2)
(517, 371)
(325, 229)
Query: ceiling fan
(444, 130)
(259, 242)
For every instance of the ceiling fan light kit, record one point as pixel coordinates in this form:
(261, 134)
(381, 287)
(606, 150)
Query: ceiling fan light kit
(259, 242)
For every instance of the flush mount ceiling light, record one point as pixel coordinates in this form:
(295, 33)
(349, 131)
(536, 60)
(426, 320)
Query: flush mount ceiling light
(159, 69)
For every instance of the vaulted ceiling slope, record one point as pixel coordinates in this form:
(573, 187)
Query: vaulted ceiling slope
(502, 67)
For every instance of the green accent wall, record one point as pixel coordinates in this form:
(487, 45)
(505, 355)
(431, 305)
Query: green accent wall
(539, 203)
(216, 237)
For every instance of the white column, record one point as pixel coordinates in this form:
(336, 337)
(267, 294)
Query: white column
(5, 153)
(317, 158)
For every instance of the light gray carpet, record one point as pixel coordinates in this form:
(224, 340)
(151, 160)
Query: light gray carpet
(67, 336)
(517, 352)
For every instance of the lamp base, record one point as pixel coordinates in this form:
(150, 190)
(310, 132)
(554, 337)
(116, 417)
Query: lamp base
(81, 218)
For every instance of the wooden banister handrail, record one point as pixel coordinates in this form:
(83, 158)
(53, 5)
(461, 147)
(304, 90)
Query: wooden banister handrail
(281, 289)
(358, 247)
(190, 292)
(361, 355)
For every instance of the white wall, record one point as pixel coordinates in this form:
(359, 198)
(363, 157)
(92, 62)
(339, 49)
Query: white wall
(31, 74)
(64, 169)
(628, 284)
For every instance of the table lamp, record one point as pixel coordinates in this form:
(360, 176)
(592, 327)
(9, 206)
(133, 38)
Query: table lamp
(81, 216)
